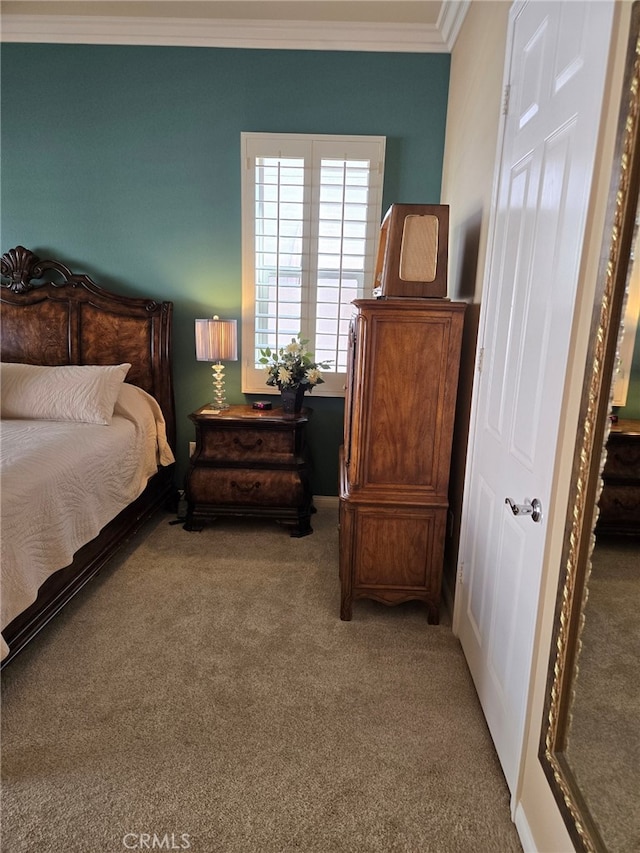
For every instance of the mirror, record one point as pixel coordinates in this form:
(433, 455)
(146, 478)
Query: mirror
(589, 739)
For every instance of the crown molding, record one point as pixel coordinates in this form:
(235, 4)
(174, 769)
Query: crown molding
(207, 32)
(450, 20)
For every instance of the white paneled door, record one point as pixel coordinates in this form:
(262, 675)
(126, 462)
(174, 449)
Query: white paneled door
(555, 70)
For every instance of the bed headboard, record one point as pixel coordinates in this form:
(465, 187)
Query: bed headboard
(51, 316)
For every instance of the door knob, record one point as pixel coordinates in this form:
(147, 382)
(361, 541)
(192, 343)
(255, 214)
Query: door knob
(532, 508)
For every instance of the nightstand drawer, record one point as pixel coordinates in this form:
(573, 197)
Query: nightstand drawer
(237, 487)
(620, 507)
(623, 458)
(247, 445)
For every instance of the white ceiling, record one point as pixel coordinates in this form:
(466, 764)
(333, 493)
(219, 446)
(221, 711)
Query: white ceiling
(392, 25)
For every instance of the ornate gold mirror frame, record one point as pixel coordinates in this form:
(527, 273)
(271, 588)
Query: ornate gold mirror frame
(588, 460)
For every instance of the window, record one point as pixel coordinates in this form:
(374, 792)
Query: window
(311, 211)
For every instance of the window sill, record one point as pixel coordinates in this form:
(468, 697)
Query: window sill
(268, 391)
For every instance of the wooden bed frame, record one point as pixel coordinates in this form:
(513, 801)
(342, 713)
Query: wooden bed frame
(51, 316)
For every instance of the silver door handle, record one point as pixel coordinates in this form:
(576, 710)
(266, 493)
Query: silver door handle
(532, 508)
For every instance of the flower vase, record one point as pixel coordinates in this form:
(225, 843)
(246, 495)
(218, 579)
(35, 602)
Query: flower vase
(291, 399)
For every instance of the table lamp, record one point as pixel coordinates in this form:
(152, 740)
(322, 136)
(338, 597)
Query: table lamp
(217, 341)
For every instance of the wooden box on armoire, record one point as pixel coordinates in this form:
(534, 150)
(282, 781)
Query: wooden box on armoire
(413, 251)
(404, 356)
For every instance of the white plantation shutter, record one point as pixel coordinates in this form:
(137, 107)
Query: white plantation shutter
(311, 211)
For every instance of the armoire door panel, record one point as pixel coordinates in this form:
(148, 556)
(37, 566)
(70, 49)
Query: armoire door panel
(396, 548)
(404, 391)
(406, 406)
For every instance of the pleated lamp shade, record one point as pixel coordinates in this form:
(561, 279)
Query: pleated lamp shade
(216, 340)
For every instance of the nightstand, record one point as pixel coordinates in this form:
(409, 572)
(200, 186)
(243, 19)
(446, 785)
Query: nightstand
(249, 463)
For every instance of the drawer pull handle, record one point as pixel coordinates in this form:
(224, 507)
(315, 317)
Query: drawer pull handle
(248, 446)
(248, 488)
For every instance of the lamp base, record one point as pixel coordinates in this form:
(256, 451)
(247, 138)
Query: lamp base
(219, 397)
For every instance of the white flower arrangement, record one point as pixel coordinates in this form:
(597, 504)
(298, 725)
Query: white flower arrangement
(292, 366)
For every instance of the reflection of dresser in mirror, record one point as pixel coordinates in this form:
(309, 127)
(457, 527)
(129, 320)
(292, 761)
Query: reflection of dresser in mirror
(619, 503)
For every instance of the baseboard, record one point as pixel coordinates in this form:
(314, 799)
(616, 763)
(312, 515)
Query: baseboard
(325, 502)
(524, 832)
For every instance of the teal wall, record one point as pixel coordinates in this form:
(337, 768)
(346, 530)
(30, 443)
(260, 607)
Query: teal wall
(124, 162)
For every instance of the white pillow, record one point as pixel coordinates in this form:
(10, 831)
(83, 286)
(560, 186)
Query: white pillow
(84, 393)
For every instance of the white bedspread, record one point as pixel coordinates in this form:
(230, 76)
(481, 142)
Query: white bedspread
(62, 482)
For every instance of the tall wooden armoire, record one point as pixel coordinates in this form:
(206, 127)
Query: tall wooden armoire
(394, 467)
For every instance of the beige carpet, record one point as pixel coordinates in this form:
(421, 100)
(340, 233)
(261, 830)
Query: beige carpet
(204, 685)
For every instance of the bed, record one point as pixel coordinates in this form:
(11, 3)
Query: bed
(88, 445)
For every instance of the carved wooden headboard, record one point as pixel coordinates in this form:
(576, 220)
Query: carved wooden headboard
(51, 316)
